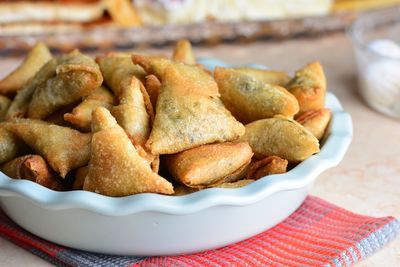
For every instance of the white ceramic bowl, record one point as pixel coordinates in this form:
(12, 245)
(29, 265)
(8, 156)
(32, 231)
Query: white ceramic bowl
(152, 224)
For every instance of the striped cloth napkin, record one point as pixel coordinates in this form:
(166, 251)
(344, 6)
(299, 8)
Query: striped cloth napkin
(316, 234)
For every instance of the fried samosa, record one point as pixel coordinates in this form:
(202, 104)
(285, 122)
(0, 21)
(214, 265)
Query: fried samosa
(282, 137)
(77, 75)
(115, 167)
(4, 105)
(131, 113)
(280, 78)
(189, 113)
(37, 58)
(267, 166)
(316, 121)
(10, 145)
(250, 99)
(20, 104)
(63, 148)
(209, 165)
(153, 87)
(183, 52)
(35, 169)
(118, 70)
(155, 65)
(309, 87)
(236, 184)
(81, 115)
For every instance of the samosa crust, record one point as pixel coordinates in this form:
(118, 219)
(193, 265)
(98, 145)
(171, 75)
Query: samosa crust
(183, 52)
(77, 75)
(35, 169)
(209, 164)
(250, 99)
(115, 168)
(36, 58)
(282, 137)
(81, 115)
(309, 87)
(189, 113)
(62, 147)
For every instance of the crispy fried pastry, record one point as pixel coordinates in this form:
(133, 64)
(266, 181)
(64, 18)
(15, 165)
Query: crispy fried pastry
(267, 166)
(250, 99)
(63, 148)
(37, 57)
(10, 145)
(309, 87)
(35, 169)
(183, 52)
(153, 87)
(131, 113)
(79, 177)
(81, 115)
(77, 75)
(118, 71)
(316, 121)
(282, 137)
(115, 167)
(280, 78)
(189, 113)
(4, 105)
(20, 104)
(211, 164)
(236, 184)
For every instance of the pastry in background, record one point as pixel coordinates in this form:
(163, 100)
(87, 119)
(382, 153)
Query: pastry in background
(186, 11)
(356, 5)
(24, 17)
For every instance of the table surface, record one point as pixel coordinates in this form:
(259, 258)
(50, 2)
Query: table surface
(368, 179)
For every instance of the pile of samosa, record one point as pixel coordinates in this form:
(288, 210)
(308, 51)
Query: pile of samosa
(124, 124)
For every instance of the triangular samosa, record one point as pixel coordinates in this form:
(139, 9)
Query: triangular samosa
(280, 78)
(37, 57)
(20, 104)
(309, 87)
(76, 76)
(118, 71)
(183, 52)
(10, 145)
(131, 113)
(189, 112)
(115, 167)
(81, 115)
(62, 147)
(211, 164)
(250, 99)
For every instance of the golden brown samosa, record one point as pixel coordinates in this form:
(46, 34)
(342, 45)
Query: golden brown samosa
(155, 65)
(36, 58)
(236, 184)
(20, 104)
(309, 87)
(280, 78)
(131, 113)
(4, 105)
(76, 76)
(183, 52)
(35, 169)
(189, 112)
(153, 87)
(316, 121)
(63, 148)
(250, 99)
(10, 145)
(118, 70)
(282, 137)
(81, 115)
(209, 165)
(267, 166)
(115, 168)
